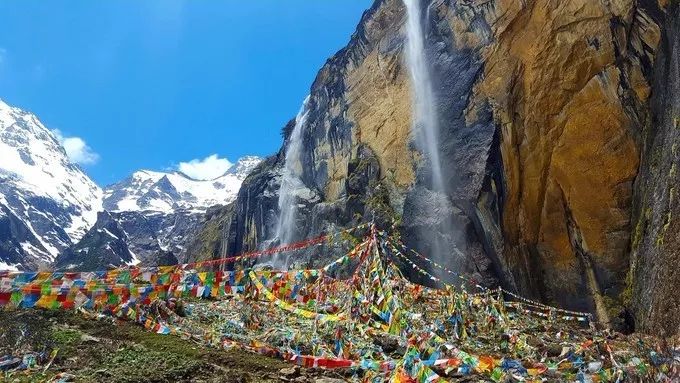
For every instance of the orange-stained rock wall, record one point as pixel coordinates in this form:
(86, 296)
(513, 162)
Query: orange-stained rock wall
(568, 87)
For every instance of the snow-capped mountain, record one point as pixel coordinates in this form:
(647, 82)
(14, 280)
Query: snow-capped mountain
(166, 192)
(52, 213)
(151, 216)
(47, 203)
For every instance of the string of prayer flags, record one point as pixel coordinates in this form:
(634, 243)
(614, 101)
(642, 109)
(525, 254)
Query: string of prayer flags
(373, 319)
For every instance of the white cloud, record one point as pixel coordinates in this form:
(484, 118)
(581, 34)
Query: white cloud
(208, 168)
(77, 149)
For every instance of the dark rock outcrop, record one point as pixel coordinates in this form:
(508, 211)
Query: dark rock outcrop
(14, 237)
(103, 246)
(146, 238)
(152, 233)
(654, 275)
(150, 239)
(210, 240)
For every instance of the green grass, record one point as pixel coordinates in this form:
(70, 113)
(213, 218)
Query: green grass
(139, 364)
(67, 341)
(126, 353)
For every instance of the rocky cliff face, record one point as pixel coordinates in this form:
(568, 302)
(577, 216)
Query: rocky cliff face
(105, 245)
(545, 115)
(654, 274)
(569, 83)
(208, 240)
(358, 158)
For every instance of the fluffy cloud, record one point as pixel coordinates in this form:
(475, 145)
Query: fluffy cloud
(77, 149)
(208, 168)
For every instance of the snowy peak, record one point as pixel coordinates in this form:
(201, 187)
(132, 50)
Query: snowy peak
(244, 166)
(54, 200)
(155, 214)
(165, 192)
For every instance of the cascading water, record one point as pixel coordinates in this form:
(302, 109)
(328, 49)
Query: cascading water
(437, 235)
(424, 117)
(290, 183)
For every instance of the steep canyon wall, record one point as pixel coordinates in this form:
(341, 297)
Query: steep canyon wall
(558, 128)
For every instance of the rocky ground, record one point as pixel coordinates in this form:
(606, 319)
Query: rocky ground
(101, 351)
(63, 347)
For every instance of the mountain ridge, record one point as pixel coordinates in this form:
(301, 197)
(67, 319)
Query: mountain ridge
(49, 205)
(52, 198)
(149, 190)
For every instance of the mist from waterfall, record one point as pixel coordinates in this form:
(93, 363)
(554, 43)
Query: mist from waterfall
(424, 115)
(291, 183)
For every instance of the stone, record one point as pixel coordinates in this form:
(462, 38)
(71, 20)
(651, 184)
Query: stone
(9, 363)
(89, 339)
(389, 344)
(290, 372)
(328, 380)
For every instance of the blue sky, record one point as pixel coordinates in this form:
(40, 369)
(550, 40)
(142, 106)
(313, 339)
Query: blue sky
(135, 84)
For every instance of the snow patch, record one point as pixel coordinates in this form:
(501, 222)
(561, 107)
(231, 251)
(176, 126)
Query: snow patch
(134, 261)
(7, 267)
(109, 233)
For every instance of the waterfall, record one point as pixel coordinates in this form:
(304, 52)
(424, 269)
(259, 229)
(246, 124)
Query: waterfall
(291, 182)
(424, 114)
(438, 238)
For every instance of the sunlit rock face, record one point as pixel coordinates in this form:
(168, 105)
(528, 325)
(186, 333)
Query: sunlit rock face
(359, 126)
(543, 109)
(568, 91)
(570, 85)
